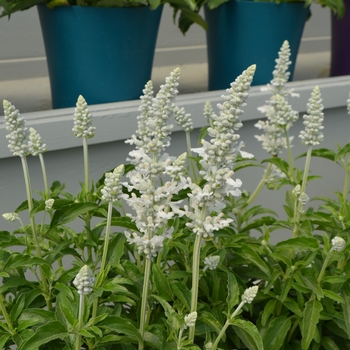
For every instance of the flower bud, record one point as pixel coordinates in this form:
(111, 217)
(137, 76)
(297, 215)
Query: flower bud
(10, 217)
(249, 294)
(190, 319)
(84, 280)
(338, 244)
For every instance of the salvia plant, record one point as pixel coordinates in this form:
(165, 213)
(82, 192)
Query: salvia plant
(172, 252)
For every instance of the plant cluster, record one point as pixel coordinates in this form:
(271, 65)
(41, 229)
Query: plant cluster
(167, 256)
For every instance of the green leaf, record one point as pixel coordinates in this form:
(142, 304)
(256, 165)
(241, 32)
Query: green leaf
(346, 307)
(172, 316)
(342, 152)
(293, 306)
(311, 316)
(115, 249)
(120, 325)
(280, 164)
(232, 298)
(250, 255)
(310, 281)
(277, 333)
(268, 310)
(298, 243)
(123, 221)
(333, 296)
(23, 260)
(45, 334)
(329, 344)
(209, 319)
(249, 334)
(321, 152)
(4, 338)
(161, 283)
(70, 212)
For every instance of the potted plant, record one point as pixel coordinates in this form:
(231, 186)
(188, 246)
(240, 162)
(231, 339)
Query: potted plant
(340, 41)
(102, 49)
(183, 267)
(243, 32)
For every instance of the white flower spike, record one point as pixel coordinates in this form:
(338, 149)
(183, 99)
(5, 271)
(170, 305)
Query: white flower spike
(84, 280)
(83, 120)
(249, 294)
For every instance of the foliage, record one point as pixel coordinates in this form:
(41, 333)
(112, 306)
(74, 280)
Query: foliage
(303, 300)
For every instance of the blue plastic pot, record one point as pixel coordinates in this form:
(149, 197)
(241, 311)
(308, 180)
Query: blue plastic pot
(104, 54)
(241, 33)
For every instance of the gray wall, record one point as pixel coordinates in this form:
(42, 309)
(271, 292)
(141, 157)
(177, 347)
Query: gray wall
(117, 121)
(22, 53)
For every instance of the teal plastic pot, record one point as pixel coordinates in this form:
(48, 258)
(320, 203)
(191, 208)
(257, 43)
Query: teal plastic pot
(104, 54)
(242, 33)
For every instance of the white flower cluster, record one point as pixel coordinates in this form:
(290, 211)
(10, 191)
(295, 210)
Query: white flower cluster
(49, 204)
(83, 120)
(279, 113)
(84, 280)
(113, 188)
(153, 204)
(212, 262)
(10, 217)
(249, 294)
(35, 144)
(190, 319)
(338, 244)
(18, 137)
(312, 134)
(183, 119)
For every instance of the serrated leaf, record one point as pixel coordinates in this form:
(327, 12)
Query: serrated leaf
(276, 332)
(171, 314)
(161, 283)
(298, 243)
(249, 334)
(346, 308)
(23, 260)
(44, 334)
(311, 317)
(70, 212)
(123, 221)
(232, 298)
(211, 321)
(333, 296)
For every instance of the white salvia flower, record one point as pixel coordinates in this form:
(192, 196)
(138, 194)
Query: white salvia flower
(273, 140)
(112, 189)
(35, 144)
(11, 217)
(312, 134)
(183, 119)
(49, 203)
(83, 120)
(338, 244)
(84, 280)
(303, 198)
(208, 112)
(212, 262)
(190, 319)
(282, 112)
(297, 190)
(18, 137)
(249, 294)
(176, 168)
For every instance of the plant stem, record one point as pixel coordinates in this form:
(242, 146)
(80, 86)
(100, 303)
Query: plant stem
(6, 315)
(43, 169)
(303, 188)
(195, 280)
(86, 164)
(189, 154)
(180, 338)
(80, 321)
(346, 180)
(323, 268)
(104, 255)
(144, 298)
(35, 236)
(260, 185)
(290, 155)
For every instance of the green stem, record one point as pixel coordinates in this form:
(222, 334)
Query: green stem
(346, 180)
(303, 188)
(6, 315)
(86, 164)
(260, 185)
(144, 298)
(179, 338)
(323, 268)
(189, 154)
(195, 280)
(104, 256)
(80, 322)
(43, 169)
(290, 155)
(35, 236)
